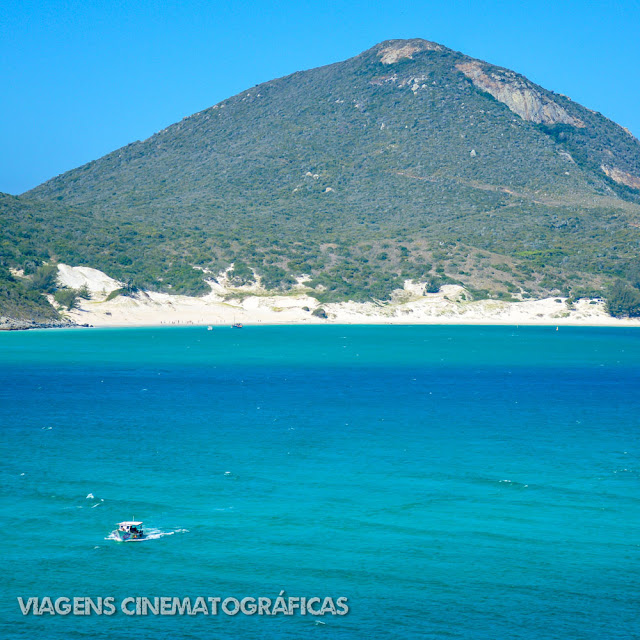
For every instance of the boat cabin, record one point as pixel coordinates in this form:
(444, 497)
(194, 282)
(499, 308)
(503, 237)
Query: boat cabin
(131, 526)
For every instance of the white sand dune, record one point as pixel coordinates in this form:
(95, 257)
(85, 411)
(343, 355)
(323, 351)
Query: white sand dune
(97, 282)
(252, 305)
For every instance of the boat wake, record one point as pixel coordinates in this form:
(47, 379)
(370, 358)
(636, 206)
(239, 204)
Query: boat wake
(150, 534)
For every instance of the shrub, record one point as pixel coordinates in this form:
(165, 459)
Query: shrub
(276, 278)
(623, 300)
(83, 292)
(480, 294)
(433, 285)
(29, 267)
(66, 297)
(128, 290)
(44, 278)
(241, 274)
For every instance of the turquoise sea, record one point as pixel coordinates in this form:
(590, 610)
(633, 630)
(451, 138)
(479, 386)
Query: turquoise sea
(451, 482)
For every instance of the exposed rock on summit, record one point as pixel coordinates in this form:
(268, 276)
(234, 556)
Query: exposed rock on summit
(392, 51)
(518, 94)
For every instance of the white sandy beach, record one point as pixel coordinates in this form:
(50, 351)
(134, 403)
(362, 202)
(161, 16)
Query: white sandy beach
(252, 305)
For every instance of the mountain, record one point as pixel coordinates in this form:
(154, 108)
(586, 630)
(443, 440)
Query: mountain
(409, 160)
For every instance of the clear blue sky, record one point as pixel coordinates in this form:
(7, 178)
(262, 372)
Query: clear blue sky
(82, 78)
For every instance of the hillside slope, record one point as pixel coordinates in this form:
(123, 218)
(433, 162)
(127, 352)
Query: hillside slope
(409, 160)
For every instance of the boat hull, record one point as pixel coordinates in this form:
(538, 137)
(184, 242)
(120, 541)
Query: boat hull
(124, 536)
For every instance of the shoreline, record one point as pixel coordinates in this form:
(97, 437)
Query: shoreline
(447, 307)
(622, 323)
(614, 323)
(251, 305)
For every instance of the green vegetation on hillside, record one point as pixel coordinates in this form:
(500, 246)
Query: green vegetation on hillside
(623, 300)
(20, 301)
(357, 175)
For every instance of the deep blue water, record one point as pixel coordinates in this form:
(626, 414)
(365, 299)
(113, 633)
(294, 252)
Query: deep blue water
(452, 482)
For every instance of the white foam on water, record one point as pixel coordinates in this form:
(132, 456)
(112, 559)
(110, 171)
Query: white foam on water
(90, 496)
(154, 534)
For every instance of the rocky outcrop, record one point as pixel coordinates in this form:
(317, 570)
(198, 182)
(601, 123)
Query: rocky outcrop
(12, 324)
(520, 95)
(622, 177)
(392, 51)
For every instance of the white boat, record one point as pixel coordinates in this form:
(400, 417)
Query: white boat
(129, 530)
